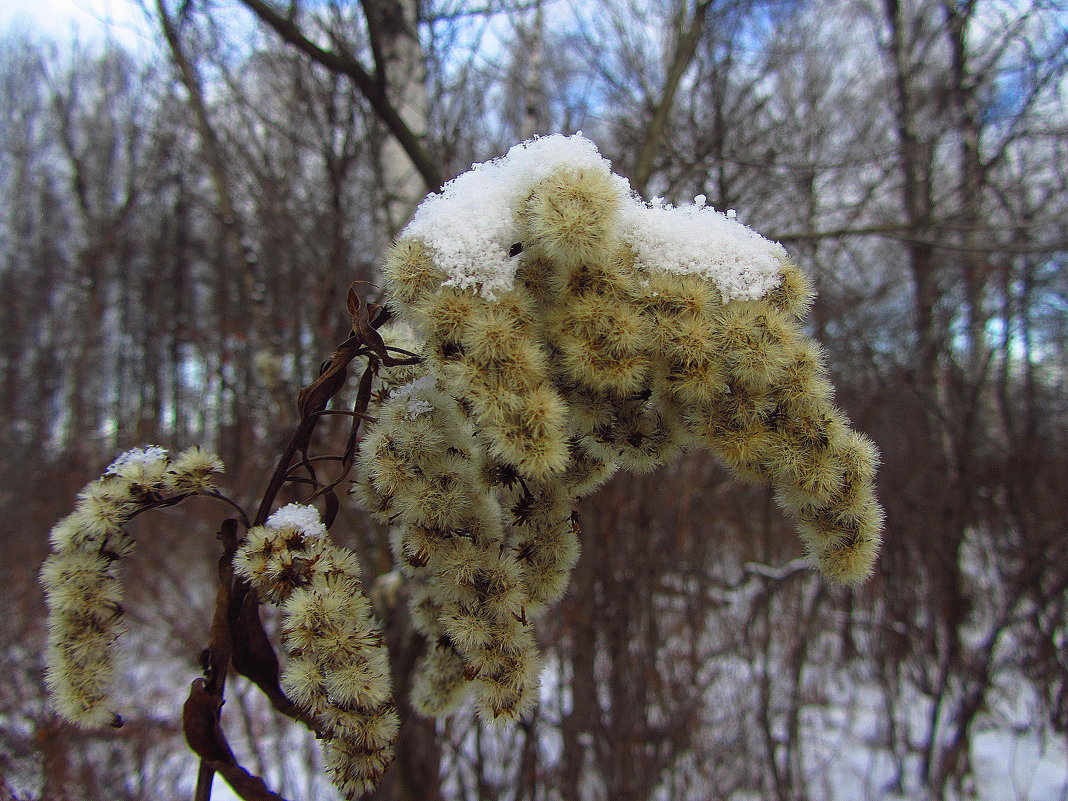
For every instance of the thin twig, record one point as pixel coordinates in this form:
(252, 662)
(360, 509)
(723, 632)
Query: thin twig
(218, 495)
(216, 661)
(346, 412)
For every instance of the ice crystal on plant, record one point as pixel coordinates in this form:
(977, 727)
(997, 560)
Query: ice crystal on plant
(698, 240)
(141, 465)
(302, 517)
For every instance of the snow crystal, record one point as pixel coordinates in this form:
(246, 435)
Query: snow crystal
(300, 516)
(137, 461)
(470, 225)
(416, 405)
(417, 386)
(698, 240)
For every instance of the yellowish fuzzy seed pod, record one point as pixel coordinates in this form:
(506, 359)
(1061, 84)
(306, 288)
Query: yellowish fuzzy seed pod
(844, 552)
(80, 677)
(440, 684)
(448, 315)
(588, 410)
(586, 472)
(353, 767)
(547, 552)
(616, 280)
(412, 275)
(81, 576)
(103, 510)
(669, 299)
(192, 470)
(506, 683)
(540, 280)
(82, 582)
(754, 341)
(693, 381)
(570, 216)
(425, 607)
(303, 682)
(793, 296)
(527, 431)
(496, 344)
(639, 437)
(804, 385)
(602, 346)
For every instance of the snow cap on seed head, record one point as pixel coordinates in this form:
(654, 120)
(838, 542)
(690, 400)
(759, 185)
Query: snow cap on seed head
(470, 226)
(301, 517)
(139, 465)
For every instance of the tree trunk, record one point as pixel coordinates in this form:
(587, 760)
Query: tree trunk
(394, 31)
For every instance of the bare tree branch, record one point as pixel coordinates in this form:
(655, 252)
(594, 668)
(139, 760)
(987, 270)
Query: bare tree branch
(370, 85)
(688, 34)
(902, 232)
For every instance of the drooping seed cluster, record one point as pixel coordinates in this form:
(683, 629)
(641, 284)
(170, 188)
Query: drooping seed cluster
(566, 336)
(337, 667)
(424, 473)
(81, 577)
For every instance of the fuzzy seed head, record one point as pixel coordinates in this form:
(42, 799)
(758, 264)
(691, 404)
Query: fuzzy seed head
(353, 768)
(440, 684)
(144, 466)
(570, 215)
(794, 294)
(570, 330)
(411, 272)
(81, 576)
(192, 470)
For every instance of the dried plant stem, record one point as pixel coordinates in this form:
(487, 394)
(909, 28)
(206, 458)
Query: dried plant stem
(237, 636)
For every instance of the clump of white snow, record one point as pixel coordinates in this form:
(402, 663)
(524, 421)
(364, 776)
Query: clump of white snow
(698, 240)
(302, 517)
(417, 406)
(470, 225)
(139, 463)
(415, 387)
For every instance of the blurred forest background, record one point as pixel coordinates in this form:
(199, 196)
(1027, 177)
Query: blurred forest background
(179, 223)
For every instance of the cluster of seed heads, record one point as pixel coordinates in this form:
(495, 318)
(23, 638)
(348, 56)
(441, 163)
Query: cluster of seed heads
(535, 386)
(337, 668)
(81, 577)
(589, 359)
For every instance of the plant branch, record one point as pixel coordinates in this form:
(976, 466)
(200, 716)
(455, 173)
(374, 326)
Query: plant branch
(902, 232)
(200, 717)
(230, 502)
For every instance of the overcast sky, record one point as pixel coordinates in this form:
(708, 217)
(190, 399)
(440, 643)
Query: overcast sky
(88, 20)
